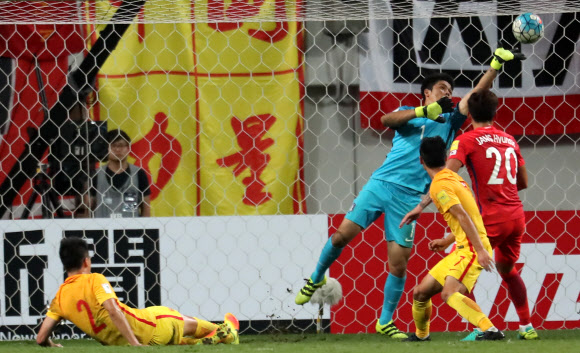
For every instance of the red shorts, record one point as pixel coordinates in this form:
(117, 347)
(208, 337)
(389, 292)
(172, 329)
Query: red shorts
(506, 239)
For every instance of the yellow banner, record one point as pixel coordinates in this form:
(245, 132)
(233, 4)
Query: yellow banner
(214, 112)
(249, 149)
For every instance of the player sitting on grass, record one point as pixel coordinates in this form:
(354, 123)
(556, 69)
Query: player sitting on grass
(456, 274)
(88, 300)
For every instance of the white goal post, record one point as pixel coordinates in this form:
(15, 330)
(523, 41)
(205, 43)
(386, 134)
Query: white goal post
(257, 124)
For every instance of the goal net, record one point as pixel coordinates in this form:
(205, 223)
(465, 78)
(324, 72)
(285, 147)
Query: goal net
(256, 124)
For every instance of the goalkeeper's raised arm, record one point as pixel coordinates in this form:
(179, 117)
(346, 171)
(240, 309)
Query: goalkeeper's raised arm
(500, 56)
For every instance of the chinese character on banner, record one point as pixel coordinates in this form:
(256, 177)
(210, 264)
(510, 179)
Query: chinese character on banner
(158, 141)
(249, 134)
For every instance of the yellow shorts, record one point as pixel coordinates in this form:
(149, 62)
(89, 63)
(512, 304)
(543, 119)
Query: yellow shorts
(460, 264)
(169, 328)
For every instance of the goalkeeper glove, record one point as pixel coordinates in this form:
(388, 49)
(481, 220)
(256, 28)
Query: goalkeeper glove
(502, 55)
(433, 111)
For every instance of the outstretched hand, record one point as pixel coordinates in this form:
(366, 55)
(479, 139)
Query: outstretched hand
(434, 110)
(502, 55)
(446, 104)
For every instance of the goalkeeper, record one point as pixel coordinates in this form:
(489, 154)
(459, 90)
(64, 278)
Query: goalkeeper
(397, 186)
(89, 301)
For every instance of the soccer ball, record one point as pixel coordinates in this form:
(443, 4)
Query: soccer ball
(330, 293)
(528, 28)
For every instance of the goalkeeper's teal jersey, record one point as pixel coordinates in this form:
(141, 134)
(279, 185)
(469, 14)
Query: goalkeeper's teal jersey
(402, 165)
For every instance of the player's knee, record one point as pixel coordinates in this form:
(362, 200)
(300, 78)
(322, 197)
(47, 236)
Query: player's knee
(445, 295)
(346, 232)
(416, 293)
(420, 295)
(506, 269)
(398, 268)
(340, 239)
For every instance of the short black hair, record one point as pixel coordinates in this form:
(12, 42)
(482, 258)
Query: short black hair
(73, 251)
(482, 105)
(432, 79)
(116, 135)
(433, 151)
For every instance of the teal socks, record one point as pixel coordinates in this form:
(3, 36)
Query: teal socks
(394, 287)
(328, 255)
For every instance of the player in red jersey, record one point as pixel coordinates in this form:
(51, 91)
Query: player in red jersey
(497, 170)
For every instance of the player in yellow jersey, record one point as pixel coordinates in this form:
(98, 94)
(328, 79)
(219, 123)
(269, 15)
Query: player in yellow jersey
(88, 300)
(456, 274)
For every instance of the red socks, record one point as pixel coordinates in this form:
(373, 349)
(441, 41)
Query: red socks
(518, 294)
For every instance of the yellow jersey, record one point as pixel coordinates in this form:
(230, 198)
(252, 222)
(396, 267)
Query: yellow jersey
(79, 300)
(449, 189)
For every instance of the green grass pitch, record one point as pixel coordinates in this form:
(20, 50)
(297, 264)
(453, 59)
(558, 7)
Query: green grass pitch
(559, 341)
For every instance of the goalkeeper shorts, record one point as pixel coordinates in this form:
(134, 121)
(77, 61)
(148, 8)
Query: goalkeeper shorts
(395, 201)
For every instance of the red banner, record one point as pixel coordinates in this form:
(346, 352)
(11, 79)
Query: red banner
(548, 264)
(550, 115)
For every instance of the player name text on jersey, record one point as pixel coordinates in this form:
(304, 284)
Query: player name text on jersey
(495, 138)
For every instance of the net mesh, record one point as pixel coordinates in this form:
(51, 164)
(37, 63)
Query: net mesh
(184, 11)
(256, 124)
